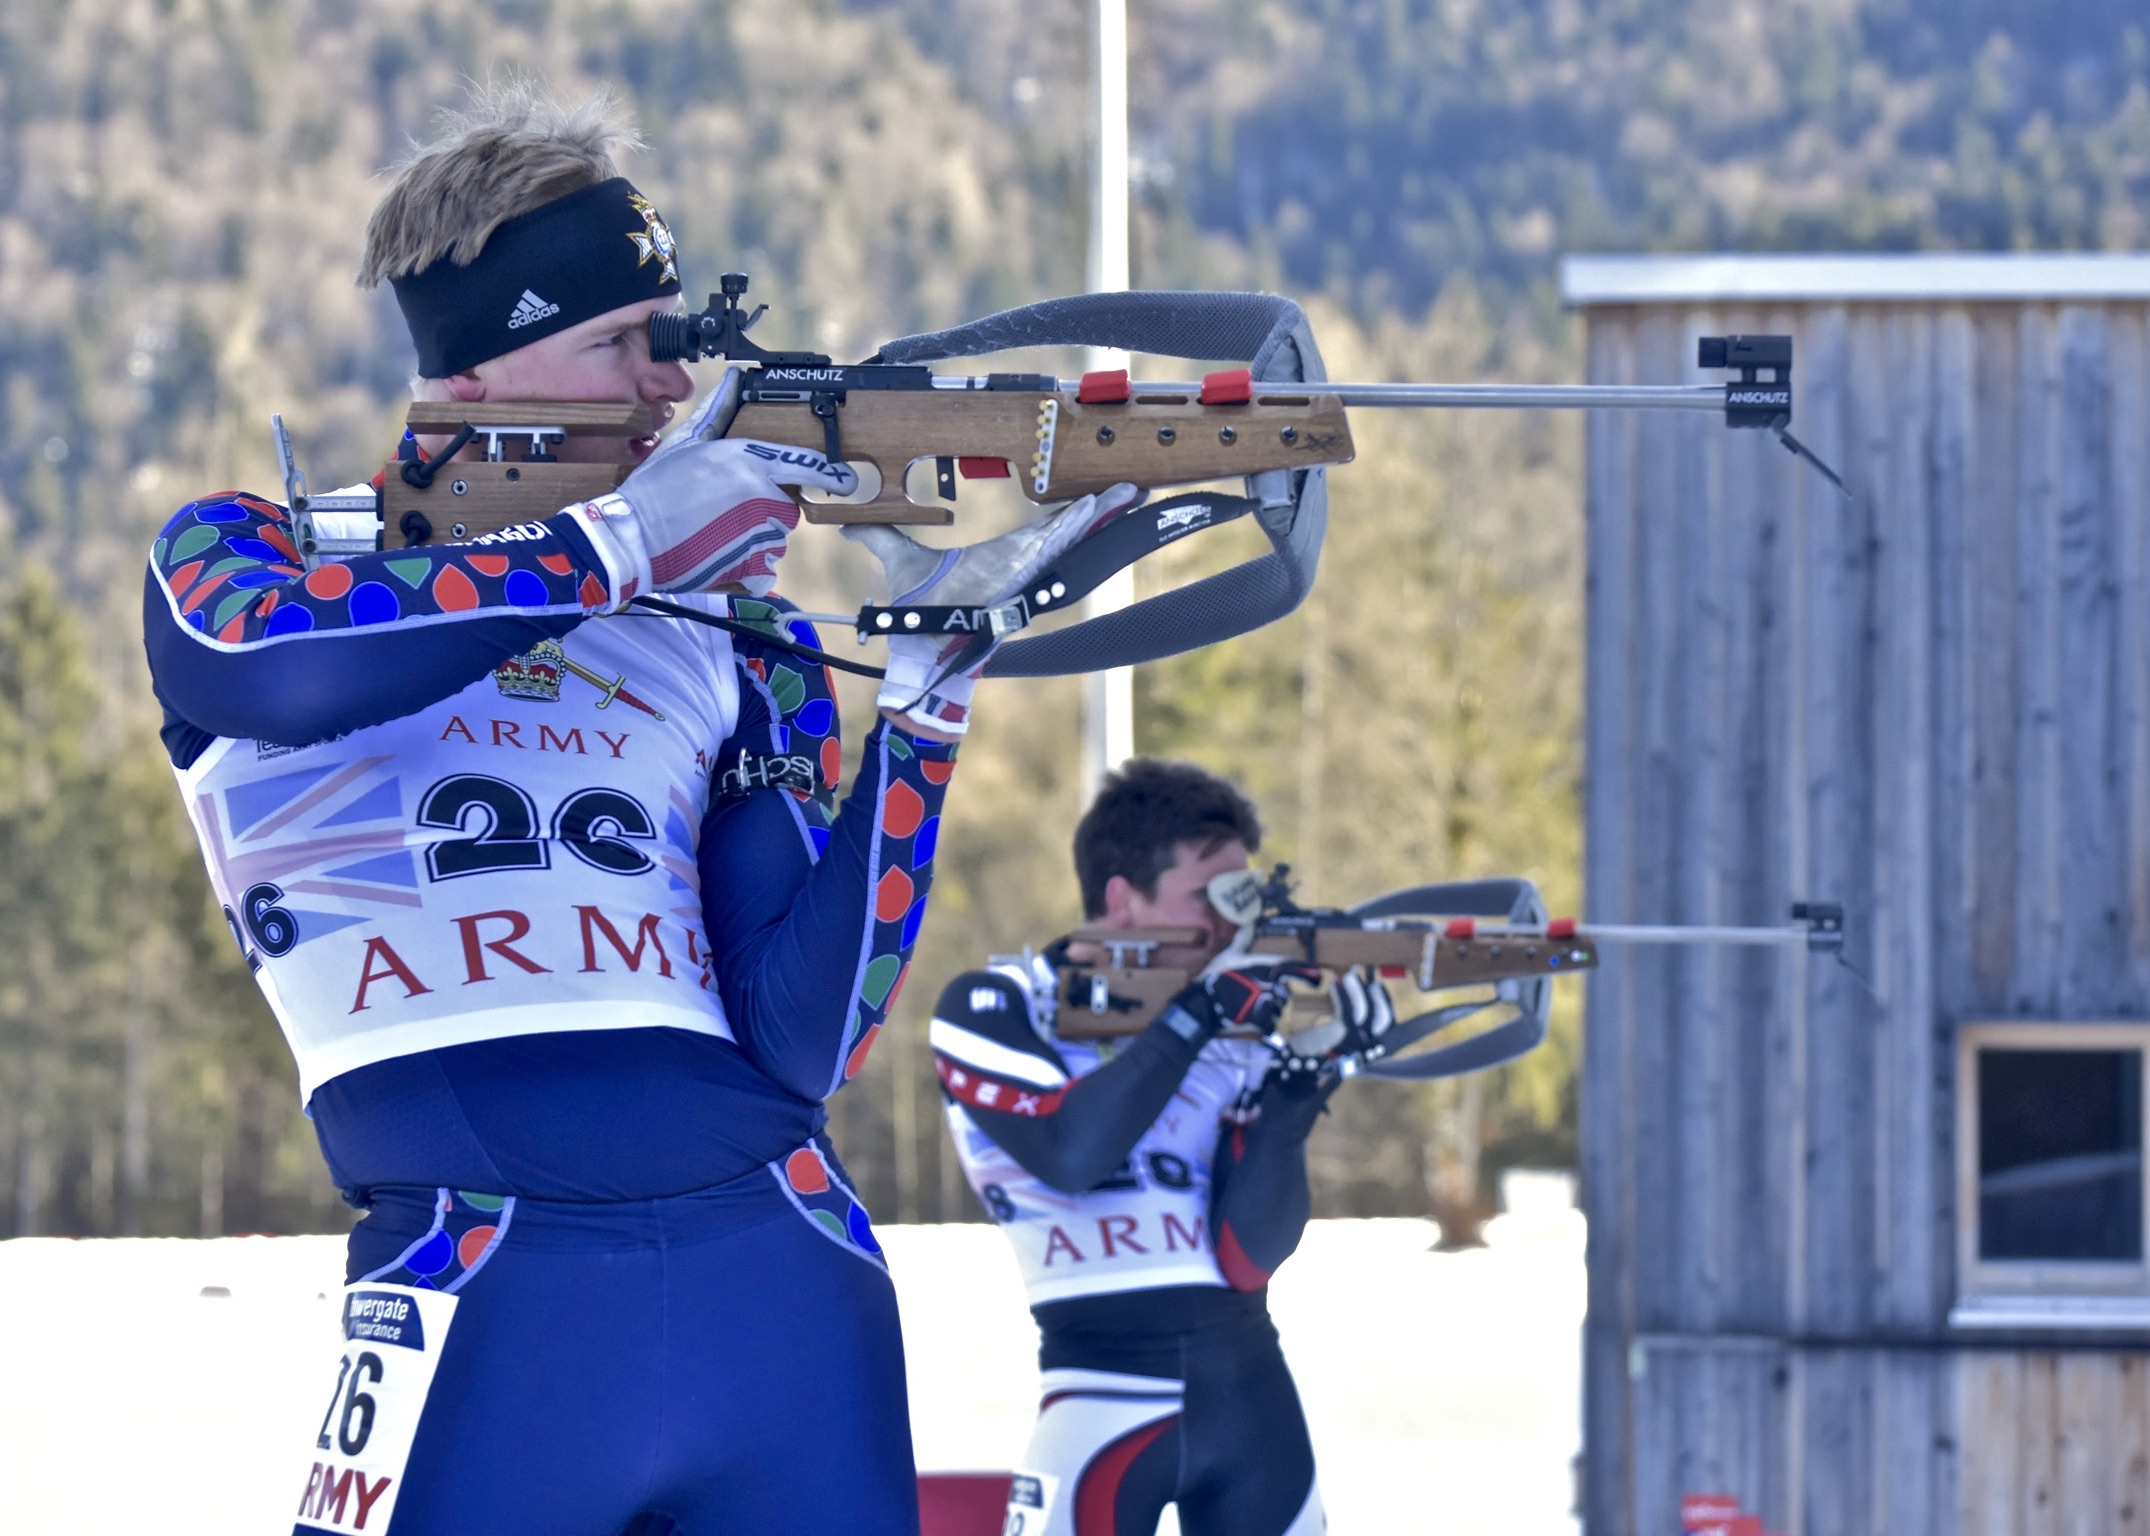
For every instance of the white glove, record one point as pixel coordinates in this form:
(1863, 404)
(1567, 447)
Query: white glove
(923, 684)
(1363, 1007)
(1363, 1013)
(705, 510)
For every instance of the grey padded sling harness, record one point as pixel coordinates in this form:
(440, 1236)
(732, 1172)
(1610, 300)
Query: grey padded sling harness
(1268, 333)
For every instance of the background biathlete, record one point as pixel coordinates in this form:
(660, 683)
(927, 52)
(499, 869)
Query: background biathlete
(564, 1008)
(1151, 1185)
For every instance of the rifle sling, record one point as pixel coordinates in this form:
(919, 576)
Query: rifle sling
(1078, 573)
(759, 633)
(1082, 570)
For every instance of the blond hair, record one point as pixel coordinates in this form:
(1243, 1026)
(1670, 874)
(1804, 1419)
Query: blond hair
(513, 149)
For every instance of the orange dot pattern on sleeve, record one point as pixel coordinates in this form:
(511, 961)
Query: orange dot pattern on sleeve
(857, 1058)
(903, 810)
(892, 897)
(277, 538)
(231, 570)
(200, 594)
(455, 592)
(328, 582)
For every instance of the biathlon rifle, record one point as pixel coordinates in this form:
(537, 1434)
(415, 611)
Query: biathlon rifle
(1276, 423)
(1489, 938)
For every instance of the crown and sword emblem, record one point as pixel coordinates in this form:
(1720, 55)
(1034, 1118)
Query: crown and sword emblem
(537, 674)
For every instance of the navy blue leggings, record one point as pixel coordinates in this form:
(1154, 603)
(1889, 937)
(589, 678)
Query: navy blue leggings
(724, 1361)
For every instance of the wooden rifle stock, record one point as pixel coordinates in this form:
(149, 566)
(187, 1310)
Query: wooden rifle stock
(1152, 439)
(455, 500)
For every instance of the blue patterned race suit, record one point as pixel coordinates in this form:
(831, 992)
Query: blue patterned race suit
(571, 942)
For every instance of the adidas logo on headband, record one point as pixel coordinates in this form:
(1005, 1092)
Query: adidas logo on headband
(529, 310)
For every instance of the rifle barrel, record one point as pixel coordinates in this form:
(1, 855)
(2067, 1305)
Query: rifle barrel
(1649, 933)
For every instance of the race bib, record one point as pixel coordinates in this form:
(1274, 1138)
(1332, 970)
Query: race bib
(392, 1342)
(1030, 1503)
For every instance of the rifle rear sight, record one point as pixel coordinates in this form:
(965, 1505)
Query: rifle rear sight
(720, 330)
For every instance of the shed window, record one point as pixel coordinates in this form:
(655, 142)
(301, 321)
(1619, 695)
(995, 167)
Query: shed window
(2060, 1155)
(2051, 1197)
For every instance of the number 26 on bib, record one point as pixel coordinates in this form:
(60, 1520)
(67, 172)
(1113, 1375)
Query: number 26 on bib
(392, 1342)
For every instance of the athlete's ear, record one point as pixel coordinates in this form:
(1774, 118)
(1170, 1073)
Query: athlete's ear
(1119, 901)
(466, 387)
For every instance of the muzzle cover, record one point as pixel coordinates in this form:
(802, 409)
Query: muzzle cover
(571, 260)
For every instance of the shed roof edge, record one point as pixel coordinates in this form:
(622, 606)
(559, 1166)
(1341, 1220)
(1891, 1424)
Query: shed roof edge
(1941, 276)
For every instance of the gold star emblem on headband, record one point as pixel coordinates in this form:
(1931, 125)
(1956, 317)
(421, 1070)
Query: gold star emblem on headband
(654, 241)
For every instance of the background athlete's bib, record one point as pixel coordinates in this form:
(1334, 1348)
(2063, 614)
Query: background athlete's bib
(1145, 1225)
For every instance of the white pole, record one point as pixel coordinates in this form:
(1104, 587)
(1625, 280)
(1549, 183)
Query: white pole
(1108, 724)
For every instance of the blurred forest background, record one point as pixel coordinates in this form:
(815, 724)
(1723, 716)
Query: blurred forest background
(182, 188)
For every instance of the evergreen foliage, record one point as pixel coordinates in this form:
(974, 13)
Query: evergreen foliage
(183, 185)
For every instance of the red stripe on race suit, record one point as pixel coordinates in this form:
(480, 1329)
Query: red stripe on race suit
(1240, 1272)
(967, 1085)
(1099, 1488)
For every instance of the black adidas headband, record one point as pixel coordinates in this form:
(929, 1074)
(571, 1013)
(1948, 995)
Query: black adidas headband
(573, 259)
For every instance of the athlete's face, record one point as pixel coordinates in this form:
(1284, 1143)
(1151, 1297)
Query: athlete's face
(1181, 900)
(604, 359)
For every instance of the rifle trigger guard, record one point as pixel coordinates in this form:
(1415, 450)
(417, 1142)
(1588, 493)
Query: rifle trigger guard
(832, 438)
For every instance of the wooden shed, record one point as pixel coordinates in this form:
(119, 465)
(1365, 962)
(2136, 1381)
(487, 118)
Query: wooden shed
(1867, 1246)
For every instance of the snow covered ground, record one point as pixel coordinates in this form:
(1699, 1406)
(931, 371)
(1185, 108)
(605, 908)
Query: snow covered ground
(157, 1387)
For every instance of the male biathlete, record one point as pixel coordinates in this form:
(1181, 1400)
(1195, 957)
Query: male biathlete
(1151, 1189)
(567, 947)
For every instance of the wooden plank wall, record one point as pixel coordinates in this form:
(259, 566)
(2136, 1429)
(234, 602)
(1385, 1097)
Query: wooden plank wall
(1932, 703)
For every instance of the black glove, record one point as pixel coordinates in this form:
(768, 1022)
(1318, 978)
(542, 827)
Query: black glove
(1294, 1094)
(1242, 991)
